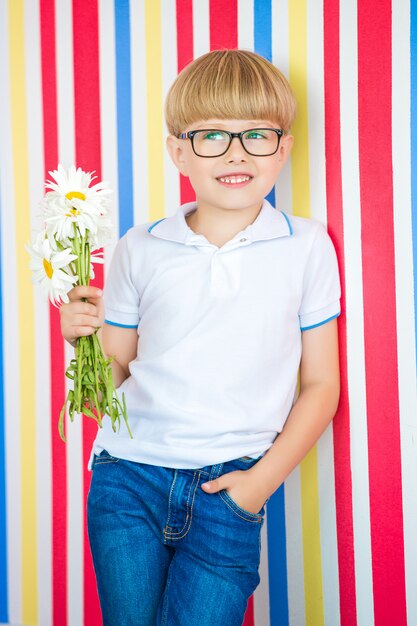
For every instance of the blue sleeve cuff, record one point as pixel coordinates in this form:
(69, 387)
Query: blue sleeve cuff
(120, 325)
(320, 323)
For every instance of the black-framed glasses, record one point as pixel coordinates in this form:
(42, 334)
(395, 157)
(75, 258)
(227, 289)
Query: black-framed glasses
(211, 142)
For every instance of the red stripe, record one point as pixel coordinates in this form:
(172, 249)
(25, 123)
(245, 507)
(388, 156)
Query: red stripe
(249, 619)
(88, 156)
(185, 44)
(223, 24)
(57, 356)
(374, 100)
(185, 54)
(341, 422)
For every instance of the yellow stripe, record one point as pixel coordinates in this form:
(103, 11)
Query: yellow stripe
(313, 584)
(297, 14)
(25, 312)
(154, 108)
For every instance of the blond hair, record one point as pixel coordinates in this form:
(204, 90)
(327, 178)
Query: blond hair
(229, 84)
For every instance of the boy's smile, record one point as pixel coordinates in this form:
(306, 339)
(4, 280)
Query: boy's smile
(238, 179)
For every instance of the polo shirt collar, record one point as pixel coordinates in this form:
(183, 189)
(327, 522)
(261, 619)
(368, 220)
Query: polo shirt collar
(269, 224)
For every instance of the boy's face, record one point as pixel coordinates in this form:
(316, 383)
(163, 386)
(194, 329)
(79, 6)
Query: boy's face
(214, 179)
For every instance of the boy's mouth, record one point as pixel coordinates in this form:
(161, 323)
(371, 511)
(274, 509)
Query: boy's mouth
(235, 180)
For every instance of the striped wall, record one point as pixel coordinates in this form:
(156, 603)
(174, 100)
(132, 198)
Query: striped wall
(84, 82)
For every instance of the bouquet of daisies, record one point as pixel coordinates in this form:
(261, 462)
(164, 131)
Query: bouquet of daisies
(76, 226)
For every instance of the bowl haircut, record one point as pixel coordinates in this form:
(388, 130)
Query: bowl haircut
(229, 84)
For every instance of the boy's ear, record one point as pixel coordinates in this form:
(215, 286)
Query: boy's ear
(175, 149)
(285, 146)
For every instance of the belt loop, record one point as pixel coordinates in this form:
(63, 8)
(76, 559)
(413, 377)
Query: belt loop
(215, 471)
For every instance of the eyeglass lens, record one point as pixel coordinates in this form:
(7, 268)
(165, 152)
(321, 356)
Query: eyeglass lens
(257, 141)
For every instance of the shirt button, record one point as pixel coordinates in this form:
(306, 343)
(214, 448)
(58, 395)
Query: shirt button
(243, 239)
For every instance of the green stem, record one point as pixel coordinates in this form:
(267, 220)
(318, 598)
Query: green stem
(94, 391)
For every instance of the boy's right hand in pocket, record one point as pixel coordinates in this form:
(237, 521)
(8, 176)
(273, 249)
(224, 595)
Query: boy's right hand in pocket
(79, 318)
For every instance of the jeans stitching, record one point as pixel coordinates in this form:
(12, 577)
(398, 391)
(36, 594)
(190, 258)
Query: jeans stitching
(240, 513)
(215, 471)
(97, 462)
(189, 516)
(235, 507)
(170, 500)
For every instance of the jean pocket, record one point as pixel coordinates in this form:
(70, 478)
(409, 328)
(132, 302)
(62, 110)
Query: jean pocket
(239, 511)
(104, 457)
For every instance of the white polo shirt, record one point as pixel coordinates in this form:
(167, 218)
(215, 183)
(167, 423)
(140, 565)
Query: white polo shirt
(219, 334)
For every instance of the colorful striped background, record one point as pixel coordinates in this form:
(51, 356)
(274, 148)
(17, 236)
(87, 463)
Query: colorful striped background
(84, 82)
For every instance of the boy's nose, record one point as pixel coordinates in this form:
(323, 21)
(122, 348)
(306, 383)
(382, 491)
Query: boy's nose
(236, 151)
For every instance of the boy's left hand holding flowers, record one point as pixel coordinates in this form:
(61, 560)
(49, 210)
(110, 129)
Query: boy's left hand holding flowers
(83, 315)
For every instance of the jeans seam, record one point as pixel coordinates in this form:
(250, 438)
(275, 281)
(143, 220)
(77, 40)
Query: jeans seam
(257, 519)
(164, 618)
(216, 471)
(170, 497)
(189, 516)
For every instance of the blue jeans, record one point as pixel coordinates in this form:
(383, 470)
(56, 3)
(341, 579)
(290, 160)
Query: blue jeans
(165, 552)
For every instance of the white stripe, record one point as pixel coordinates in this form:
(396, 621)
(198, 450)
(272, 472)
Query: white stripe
(317, 166)
(404, 284)
(108, 114)
(315, 100)
(10, 336)
(65, 83)
(245, 24)
(281, 58)
(354, 313)
(261, 595)
(139, 112)
(201, 27)
(169, 72)
(294, 542)
(74, 485)
(41, 320)
(328, 534)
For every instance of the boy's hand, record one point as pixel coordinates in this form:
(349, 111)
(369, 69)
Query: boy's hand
(79, 318)
(241, 488)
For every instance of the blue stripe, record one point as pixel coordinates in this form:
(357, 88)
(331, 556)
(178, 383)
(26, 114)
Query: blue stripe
(277, 559)
(277, 552)
(124, 115)
(263, 28)
(263, 45)
(413, 116)
(320, 323)
(120, 325)
(4, 616)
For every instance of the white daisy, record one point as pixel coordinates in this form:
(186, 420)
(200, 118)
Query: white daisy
(72, 202)
(50, 268)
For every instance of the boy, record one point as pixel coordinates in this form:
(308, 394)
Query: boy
(209, 314)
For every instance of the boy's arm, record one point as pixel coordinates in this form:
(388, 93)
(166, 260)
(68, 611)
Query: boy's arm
(310, 415)
(121, 344)
(312, 412)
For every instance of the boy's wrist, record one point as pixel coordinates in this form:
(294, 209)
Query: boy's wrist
(258, 478)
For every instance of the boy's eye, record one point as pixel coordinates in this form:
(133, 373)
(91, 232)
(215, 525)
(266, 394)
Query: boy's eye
(256, 134)
(213, 135)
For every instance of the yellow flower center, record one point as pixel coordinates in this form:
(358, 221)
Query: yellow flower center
(73, 212)
(75, 194)
(48, 268)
